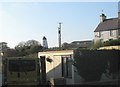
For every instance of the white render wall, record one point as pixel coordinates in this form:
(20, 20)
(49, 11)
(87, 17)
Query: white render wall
(54, 69)
(105, 35)
(51, 69)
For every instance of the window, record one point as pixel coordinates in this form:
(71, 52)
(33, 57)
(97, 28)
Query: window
(98, 34)
(111, 32)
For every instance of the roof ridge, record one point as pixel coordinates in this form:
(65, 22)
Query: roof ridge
(111, 18)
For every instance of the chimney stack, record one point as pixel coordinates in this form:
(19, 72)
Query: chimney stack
(102, 17)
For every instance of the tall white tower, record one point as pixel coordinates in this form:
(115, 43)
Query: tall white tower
(59, 35)
(45, 44)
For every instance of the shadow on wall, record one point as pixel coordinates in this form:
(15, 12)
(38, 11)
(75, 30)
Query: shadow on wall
(56, 72)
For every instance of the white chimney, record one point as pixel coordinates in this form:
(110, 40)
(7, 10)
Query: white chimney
(45, 44)
(102, 18)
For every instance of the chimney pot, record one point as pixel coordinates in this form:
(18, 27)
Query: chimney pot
(102, 17)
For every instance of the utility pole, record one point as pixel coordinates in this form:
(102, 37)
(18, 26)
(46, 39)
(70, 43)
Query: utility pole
(59, 41)
(59, 35)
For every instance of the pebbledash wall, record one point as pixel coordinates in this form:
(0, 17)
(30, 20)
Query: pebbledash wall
(54, 69)
(106, 35)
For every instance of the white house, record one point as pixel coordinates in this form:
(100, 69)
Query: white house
(107, 29)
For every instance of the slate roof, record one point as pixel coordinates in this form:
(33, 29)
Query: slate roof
(108, 24)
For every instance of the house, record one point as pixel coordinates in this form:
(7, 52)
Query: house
(107, 29)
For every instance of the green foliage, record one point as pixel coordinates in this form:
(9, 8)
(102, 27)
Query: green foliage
(24, 48)
(97, 45)
(28, 43)
(106, 43)
(12, 53)
(66, 46)
(89, 65)
(35, 49)
(112, 42)
(34, 55)
(32, 43)
(52, 49)
(71, 46)
(92, 64)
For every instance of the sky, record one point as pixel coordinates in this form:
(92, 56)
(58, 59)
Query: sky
(23, 21)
